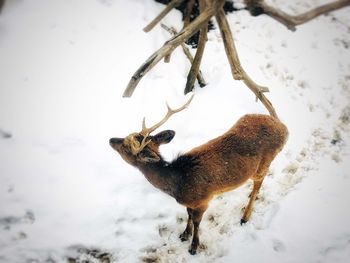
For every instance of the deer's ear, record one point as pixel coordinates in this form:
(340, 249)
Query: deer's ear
(148, 156)
(163, 137)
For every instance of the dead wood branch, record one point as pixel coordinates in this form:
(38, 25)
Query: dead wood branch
(171, 44)
(238, 72)
(187, 14)
(188, 54)
(208, 9)
(193, 73)
(167, 58)
(291, 21)
(187, 19)
(166, 10)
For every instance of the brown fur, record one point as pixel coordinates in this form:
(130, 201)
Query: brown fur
(222, 164)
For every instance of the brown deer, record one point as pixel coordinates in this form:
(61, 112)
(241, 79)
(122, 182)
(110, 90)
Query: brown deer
(222, 164)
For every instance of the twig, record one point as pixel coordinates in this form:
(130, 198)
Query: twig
(188, 54)
(291, 21)
(187, 19)
(167, 58)
(238, 72)
(170, 45)
(162, 14)
(193, 73)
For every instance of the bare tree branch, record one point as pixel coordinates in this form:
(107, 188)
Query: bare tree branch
(188, 54)
(187, 18)
(208, 9)
(238, 72)
(166, 10)
(193, 73)
(171, 44)
(291, 21)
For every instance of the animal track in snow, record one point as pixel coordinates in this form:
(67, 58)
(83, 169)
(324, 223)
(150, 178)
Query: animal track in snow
(278, 245)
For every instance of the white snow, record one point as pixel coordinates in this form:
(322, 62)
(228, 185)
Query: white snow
(64, 193)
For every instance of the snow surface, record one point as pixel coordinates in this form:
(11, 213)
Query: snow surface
(66, 195)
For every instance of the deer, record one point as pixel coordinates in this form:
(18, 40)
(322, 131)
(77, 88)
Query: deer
(222, 164)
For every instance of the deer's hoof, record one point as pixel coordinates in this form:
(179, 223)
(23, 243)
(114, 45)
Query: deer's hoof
(193, 248)
(193, 251)
(243, 221)
(184, 237)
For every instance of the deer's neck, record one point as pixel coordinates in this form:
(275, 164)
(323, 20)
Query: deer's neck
(161, 175)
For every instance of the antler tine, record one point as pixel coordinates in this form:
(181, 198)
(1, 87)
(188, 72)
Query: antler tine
(144, 123)
(147, 131)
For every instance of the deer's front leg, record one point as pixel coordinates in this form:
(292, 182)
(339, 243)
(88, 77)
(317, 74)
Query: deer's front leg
(188, 231)
(197, 215)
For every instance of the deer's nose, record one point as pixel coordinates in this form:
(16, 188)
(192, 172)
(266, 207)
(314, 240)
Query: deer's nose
(114, 141)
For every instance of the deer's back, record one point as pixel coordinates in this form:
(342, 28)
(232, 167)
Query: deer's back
(252, 135)
(228, 161)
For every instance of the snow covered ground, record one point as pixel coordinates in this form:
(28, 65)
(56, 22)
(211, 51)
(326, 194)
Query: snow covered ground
(65, 195)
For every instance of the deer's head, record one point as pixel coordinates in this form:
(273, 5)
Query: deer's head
(142, 147)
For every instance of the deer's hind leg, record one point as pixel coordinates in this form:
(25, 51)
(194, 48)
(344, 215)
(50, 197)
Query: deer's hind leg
(249, 207)
(258, 180)
(188, 231)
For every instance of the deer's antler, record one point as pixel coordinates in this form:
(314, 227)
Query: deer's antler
(135, 145)
(147, 131)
